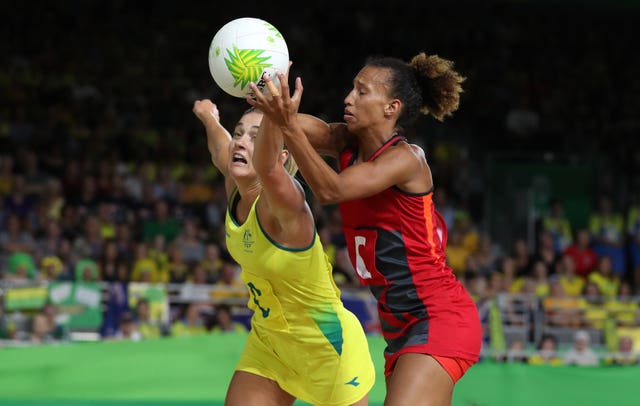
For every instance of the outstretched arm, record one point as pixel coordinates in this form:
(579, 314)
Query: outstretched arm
(366, 179)
(218, 138)
(326, 138)
(282, 197)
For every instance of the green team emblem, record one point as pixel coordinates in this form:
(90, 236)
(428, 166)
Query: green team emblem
(246, 65)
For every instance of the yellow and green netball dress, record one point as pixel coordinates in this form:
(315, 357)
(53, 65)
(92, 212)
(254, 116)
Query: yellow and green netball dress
(301, 335)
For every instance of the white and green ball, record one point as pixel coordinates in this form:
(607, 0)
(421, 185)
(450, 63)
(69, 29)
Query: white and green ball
(243, 51)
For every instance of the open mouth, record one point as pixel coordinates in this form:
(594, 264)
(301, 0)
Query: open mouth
(238, 158)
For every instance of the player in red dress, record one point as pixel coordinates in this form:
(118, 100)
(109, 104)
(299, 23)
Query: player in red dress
(395, 237)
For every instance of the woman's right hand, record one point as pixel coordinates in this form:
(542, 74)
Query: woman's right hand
(281, 108)
(206, 110)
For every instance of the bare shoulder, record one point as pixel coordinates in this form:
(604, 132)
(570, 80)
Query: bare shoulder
(419, 179)
(407, 150)
(417, 150)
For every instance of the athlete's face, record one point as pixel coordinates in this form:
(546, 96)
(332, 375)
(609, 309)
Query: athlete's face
(366, 103)
(241, 145)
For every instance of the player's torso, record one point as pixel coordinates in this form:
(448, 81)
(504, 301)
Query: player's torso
(289, 288)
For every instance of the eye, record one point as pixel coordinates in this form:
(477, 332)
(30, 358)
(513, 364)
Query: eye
(237, 134)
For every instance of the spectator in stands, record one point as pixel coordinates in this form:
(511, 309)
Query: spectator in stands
(470, 236)
(581, 354)
(14, 237)
(558, 226)
(521, 256)
(89, 243)
(86, 270)
(196, 191)
(540, 271)
(109, 262)
(105, 220)
(146, 325)
(624, 308)
(127, 328)
(49, 243)
(6, 177)
(603, 276)
(212, 262)
(19, 203)
(166, 186)
(561, 309)
(87, 200)
(547, 353)
(584, 258)
(457, 252)
(625, 354)
(545, 252)
(229, 285)
(66, 255)
(507, 267)
(8, 329)
(484, 260)
(177, 267)
(515, 354)
(593, 304)
(51, 268)
(565, 270)
(21, 267)
(189, 242)
(44, 327)
(161, 223)
(224, 322)
(35, 178)
(607, 233)
(145, 269)
(192, 321)
(633, 232)
(158, 253)
(124, 242)
(444, 206)
(198, 275)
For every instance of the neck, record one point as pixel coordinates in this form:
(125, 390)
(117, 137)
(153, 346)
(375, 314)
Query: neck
(249, 191)
(371, 141)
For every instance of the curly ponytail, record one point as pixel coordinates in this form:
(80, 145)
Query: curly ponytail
(428, 85)
(440, 85)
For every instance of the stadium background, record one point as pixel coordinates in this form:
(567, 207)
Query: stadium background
(92, 81)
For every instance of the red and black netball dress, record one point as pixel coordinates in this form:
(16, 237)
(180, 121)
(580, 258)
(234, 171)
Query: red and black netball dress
(396, 242)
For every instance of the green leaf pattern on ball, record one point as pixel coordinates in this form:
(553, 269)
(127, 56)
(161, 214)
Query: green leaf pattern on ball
(246, 65)
(274, 29)
(217, 51)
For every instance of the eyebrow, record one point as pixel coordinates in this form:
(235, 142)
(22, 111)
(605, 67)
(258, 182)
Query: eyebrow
(241, 124)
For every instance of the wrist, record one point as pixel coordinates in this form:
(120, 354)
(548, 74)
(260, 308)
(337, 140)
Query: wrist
(291, 129)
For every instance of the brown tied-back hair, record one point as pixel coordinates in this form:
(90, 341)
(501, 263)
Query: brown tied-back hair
(441, 85)
(428, 85)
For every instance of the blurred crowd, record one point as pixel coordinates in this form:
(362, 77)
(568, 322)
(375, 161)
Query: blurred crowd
(105, 174)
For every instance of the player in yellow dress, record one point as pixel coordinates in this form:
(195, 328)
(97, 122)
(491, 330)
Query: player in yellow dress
(303, 342)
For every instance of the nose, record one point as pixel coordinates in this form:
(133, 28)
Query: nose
(348, 100)
(242, 141)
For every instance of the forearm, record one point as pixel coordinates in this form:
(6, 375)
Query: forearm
(218, 139)
(321, 178)
(268, 146)
(319, 134)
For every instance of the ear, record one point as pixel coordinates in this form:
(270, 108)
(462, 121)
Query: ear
(392, 107)
(284, 156)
